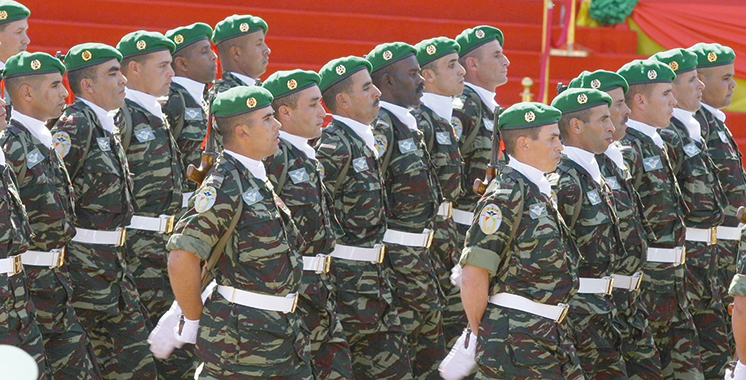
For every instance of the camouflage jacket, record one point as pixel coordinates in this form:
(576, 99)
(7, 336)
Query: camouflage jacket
(724, 152)
(15, 233)
(694, 172)
(473, 123)
(223, 84)
(412, 190)
(101, 180)
(153, 160)
(188, 122)
(442, 145)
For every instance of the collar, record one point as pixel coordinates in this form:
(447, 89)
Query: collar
(147, 101)
(718, 113)
(2, 65)
(299, 142)
(585, 159)
(691, 124)
(36, 127)
(533, 174)
(440, 104)
(615, 155)
(401, 113)
(487, 96)
(647, 130)
(363, 131)
(2, 159)
(105, 117)
(247, 80)
(255, 167)
(194, 88)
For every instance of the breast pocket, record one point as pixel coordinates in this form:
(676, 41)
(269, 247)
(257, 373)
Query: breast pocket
(538, 249)
(261, 234)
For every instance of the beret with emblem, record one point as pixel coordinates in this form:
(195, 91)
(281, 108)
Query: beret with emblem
(601, 80)
(338, 69)
(25, 63)
(477, 36)
(679, 60)
(237, 25)
(576, 99)
(89, 54)
(646, 71)
(143, 42)
(283, 83)
(710, 55)
(241, 99)
(528, 114)
(12, 11)
(183, 36)
(388, 53)
(434, 48)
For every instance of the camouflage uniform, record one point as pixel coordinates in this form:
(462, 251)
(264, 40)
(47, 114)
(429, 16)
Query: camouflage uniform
(365, 302)
(662, 292)
(309, 202)
(538, 263)
(587, 208)
(47, 194)
(236, 341)
(641, 357)
(705, 199)
(105, 299)
(442, 145)
(227, 82)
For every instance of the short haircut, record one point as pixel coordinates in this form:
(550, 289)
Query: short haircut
(14, 83)
(474, 53)
(583, 115)
(140, 59)
(377, 75)
(74, 77)
(224, 47)
(634, 89)
(330, 94)
(287, 100)
(227, 125)
(510, 136)
(430, 66)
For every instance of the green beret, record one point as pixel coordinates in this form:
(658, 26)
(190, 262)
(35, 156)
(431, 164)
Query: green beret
(12, 10)
(646, 71)
(241, 99)
(679, 60)
(237, 25)
(528, 114)
(338, 69)
(89, 54)
(576, 99)
(183, 36)
(709, 55)
(434, 48)
(388, 53)
(143, 42)
(283, 83)
(477, 36)
(25, 63)
(601, 80)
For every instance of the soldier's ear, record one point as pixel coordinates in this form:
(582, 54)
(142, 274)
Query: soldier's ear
(179, 63)
(86, 85)
(639, 100)
(342, 100)
(428, 75)
(576, 125)
(283, 113)
(471, 63)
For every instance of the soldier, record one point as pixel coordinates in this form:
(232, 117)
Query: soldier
(351, 172)
(641, 357)
(249, 327)
(13, 35)
(703, 195)
(519, 260)
(651, 102)
(413, 197)
(444, 78)
(105, 296)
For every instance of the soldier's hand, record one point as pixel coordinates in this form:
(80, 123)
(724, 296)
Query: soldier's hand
(187, 332)
(738, 373)
(163, 339)
(460, 362)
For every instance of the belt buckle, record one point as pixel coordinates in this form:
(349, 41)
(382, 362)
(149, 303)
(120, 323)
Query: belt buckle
(639, 276)
(682, 258)
(430, 239)
(327, 263)
(565, 308)
(295, 304)
(381, 254)
(16, 265)
(713, 236)
(167, 224)
(609, 285)
(60, 257)
(122, 237)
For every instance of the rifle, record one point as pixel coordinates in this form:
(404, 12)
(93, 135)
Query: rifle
(480, 186)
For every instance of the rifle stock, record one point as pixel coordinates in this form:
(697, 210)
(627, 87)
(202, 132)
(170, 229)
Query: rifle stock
(480, 186)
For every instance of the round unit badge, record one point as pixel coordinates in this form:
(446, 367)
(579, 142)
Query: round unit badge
(490, 219)
(205, 198)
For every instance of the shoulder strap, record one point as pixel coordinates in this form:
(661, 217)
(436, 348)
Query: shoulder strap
(284, 174)
(342, 173)
(127, 133)
(579, 204)
(638, 178)
(473, 133)
(389, 149)
(517, 221)
(89, 115)
(176, 132)
(22, 174)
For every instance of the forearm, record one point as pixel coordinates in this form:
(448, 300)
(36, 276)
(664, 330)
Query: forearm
(739, 325)
(184, 270)
(475, 284)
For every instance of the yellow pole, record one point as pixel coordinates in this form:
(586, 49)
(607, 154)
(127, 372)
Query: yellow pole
(526, 95)
(571, 27)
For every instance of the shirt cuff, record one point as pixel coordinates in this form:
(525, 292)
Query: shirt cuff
(481, 258)
(189, 244)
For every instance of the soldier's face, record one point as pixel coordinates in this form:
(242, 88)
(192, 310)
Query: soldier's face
(619, 112)
(255, 54)
(598, 131)
(200, 62)
(719, 85)
(448, 77)
(659, 103)
(107, 87)
(407, 84)
(13, 39)
(262, 134)
(363, 98)
(48, 96)
(687, 89)
(156, 73)
(492, 64)
(307, 117)
(544, 151)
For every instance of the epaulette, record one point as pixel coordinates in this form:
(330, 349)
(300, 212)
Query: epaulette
(330, 128)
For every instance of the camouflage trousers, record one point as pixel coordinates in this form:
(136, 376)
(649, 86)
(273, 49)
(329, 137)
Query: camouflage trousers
(18, 326)
(446, 254)
(147, 258)
(513, 344)
(706, 308)
(598, 345)
(641, 356)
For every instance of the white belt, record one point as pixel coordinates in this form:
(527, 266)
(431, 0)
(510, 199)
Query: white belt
(702, 235)
(319, 263)
(462, 217)
(185, 199)
(347, 252)
(631, 283)
(675, 256)
(556, 313)
(115, 238)
(729, 233)
(284, 304)
(163, 224)
(409, 239)
(52, 259)
(11, 265)
(596, 285)
(446, 209)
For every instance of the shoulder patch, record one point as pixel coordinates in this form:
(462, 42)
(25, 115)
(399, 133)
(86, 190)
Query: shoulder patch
(458, 126)
(205, 198)
(381, 144)
(61, 142)
(490, 219)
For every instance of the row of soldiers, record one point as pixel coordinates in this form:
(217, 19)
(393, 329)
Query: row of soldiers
(333, 261)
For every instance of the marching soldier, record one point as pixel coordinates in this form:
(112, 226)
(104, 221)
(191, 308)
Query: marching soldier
(249, 327)
(352, 173)
(13, 35)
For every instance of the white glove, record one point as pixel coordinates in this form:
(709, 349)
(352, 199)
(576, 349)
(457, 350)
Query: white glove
(189, 331)
(456, 273)
(460, 361)
(738, 373)
(163, 340)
